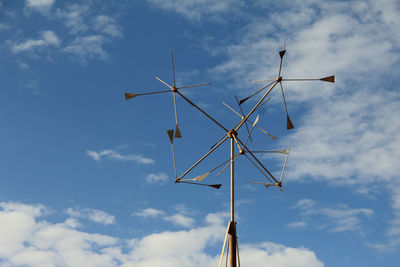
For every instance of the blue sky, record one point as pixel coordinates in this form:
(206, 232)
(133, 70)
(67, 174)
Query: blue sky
(86, 178)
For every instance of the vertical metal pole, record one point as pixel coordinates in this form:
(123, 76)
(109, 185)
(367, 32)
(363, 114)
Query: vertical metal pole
(232, 227)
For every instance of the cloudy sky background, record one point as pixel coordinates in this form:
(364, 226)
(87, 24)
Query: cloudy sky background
(86, 178)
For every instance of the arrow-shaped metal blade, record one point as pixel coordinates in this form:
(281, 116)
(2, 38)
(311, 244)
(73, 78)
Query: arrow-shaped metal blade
(267, 185)
(281, 54)
(216, 186)
(201, 177)
(241, 111)
(171, 135)
(289, 124)
(177, 132)
(330, 79)
(129, 96)
(171, 138)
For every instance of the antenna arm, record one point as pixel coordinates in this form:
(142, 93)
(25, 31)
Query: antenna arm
(202, 111)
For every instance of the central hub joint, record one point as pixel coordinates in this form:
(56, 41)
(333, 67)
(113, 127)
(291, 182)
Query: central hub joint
(279, 79)
(174, 89)
(232, 133)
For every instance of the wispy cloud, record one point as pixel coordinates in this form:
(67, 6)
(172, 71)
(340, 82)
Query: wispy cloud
(157, 178)
(97, 216)
(197, 9)
(337, 218)
(74, 17)
(107, 25)
(180, 220)
(47, 38)
(87, 47)
(39, 4)
(89, 29)
(111, 154)
(149, 212)
(297, 225)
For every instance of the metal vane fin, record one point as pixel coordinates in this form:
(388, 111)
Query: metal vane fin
(216, 186)
(129, 96)
(171, 135)
(289, 124)
(330, 79)
(201, 177)
(256, 120)
(177, 132)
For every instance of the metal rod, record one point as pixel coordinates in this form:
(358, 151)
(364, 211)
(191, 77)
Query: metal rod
(173, 158)
(244, 99)
(164, 83)
(289, 80)
(258, 161)
(173, 68)
(232, 245)
(241, 112)
(258, 168)
(223, 247)
(152, 93)
(284, 99)
(176, 113)
(227, 165)
(202, 111)
(232, 232)
(255, 107)
(232, 179)
(189, 86)
(200, 160)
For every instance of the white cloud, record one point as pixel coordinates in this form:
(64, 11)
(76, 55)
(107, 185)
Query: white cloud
(297, 225)
(39, 4)
(157, 178)
(26, 239)
(48, 38)
(338, 218)
(197, 9)
(87, 47)
(107, 25)
(269, 254)
(74, 17)
(93, 215)
(180, 220)
(149, 212)
(111, 154)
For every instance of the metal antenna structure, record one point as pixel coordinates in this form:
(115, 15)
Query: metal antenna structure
(230, 241)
